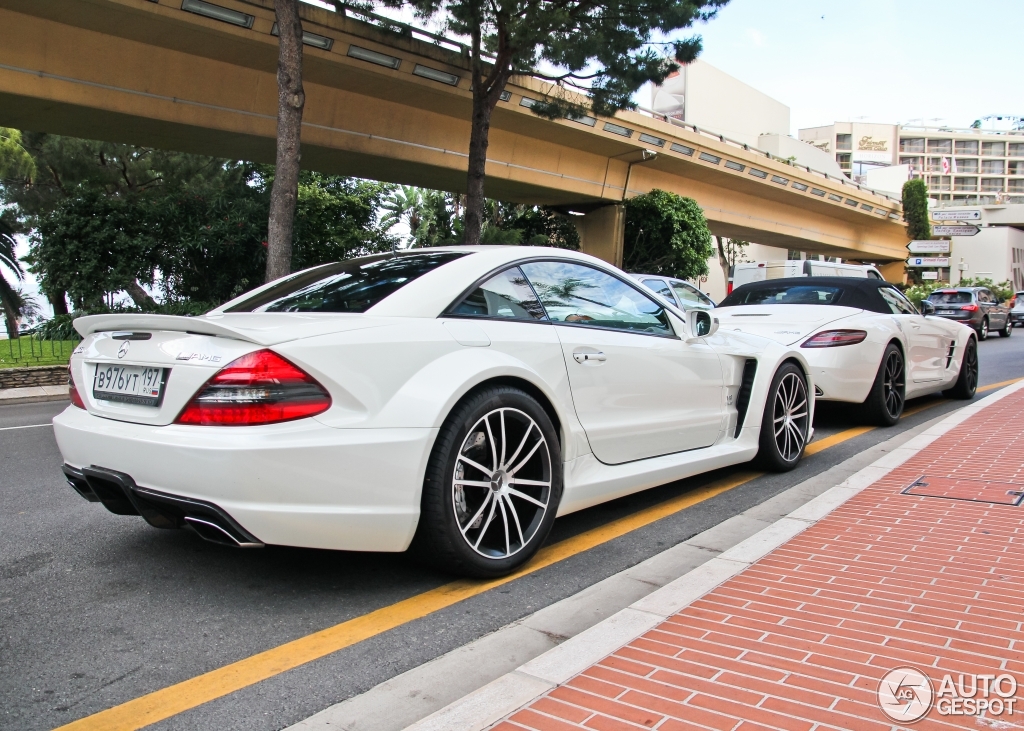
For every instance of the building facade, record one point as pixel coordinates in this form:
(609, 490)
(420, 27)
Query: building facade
(961, 166)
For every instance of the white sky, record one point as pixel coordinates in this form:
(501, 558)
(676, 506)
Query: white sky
(922, 61)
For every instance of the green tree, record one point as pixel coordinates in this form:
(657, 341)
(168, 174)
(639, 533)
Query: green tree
(600, 54)
(10, 299)
(915, 210)
(15, 160)
(1003, 290)
(666, 234)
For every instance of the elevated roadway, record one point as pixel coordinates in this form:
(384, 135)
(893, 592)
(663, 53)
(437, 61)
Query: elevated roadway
(389, 106)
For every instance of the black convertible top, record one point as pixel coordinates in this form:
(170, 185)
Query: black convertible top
(859, 292)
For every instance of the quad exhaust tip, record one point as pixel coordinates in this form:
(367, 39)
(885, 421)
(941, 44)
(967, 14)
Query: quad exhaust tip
(121, 496)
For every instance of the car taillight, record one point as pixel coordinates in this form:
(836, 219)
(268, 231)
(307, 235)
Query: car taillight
(76, 398)
(833, 338)
(969, 308)
(258, 388)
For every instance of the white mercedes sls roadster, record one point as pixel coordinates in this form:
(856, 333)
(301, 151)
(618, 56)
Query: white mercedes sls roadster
(451, 401)
(865, 341)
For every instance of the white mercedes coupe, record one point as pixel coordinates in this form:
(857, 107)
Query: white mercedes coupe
(447, 401)
(865, 341)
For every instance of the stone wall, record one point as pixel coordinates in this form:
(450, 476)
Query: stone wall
(56, 375)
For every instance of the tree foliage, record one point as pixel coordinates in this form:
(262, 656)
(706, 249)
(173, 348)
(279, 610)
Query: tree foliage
(666, 234)
(915, 210)
(596, 54)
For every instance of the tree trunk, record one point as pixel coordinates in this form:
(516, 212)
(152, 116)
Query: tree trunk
(478, 139)
(142, 300)
(7, 299)
(290, 101)
(59, 303)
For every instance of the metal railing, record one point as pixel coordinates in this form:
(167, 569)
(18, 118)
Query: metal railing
(29, 350)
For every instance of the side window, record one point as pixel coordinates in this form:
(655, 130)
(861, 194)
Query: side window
(575, 294)
(505, 295)
(899, 304)
(985, 296)
(660, 287)
(690, 296)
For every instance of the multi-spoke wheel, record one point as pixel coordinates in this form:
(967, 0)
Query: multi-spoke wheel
(983, 330)
(492, 486)
(786, 421)
(967, 382)
(884, 404)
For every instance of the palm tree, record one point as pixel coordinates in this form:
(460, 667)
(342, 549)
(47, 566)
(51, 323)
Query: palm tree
(10, 297)
(406, 204)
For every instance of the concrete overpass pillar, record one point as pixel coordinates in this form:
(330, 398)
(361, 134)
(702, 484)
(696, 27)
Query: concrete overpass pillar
(603, 232)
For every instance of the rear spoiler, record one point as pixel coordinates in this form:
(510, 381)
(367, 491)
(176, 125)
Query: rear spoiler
(130, 321)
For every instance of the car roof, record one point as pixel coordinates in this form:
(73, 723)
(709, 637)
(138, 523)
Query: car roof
(859, 292)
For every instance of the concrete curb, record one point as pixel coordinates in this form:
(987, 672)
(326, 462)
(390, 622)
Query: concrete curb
(486, 706)
(33, 394)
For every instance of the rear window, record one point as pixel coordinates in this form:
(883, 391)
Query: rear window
(785, 294)
(349, 286)
(950, 298)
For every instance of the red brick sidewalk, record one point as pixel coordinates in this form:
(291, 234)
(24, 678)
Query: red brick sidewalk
(802, 638)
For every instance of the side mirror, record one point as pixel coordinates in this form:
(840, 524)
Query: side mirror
(702, 324)
(927, 308)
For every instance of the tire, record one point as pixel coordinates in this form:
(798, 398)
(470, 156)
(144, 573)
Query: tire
(476, 518)
(967, 382)
(884, 404)
(983, 330)
(1007, 330)
(781, 447)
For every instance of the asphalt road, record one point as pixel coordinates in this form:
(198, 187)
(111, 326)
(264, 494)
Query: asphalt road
(98, 609)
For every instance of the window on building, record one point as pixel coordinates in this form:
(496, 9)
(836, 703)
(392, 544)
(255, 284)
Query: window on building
(1016, 186)
(934, 165)
(1015, 167)
(912, 144)
(1017, 149)
(966, 147)
(966, 165)
(993, 149)
(940, 147)
(844, 142)
(916, 163)
(992, 167)
(991, 185)
(845, 160)
(939, 182)
(965, 184)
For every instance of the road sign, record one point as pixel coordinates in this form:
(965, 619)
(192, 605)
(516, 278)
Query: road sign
(928, 247)
(955, 230)
(928, 261)
(956, 215)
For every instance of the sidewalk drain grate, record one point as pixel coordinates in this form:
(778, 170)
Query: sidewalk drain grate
(975, 491)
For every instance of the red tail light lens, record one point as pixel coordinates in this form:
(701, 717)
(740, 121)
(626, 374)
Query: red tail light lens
(76, 398)
(969, 308)
(258, 388)
(834, 338)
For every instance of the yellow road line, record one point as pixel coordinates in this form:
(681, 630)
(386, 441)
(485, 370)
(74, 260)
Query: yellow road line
(175, 699)
(990, 386)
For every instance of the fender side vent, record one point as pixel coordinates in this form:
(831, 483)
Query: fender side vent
(743, 399)
(949, 355)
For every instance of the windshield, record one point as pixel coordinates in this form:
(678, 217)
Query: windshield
(349, 286)
(950, 298)
(785, 294)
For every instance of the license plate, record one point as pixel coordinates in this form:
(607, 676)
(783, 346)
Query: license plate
(947, 312)
(129, 384)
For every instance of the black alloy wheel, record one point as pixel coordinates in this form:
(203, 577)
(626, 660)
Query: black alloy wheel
(786, 422)
(492, 486)
(885, 402)
(967, 382)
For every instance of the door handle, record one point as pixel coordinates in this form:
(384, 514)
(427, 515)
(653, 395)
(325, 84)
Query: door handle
(584, 357)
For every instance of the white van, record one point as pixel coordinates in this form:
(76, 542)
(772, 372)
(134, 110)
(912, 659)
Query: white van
(758, 271)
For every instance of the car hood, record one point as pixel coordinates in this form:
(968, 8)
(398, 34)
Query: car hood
(786, 324)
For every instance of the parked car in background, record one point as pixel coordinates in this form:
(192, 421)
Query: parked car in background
(1017, 309)
(977, 307)
(676, 291)
(760, 271)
